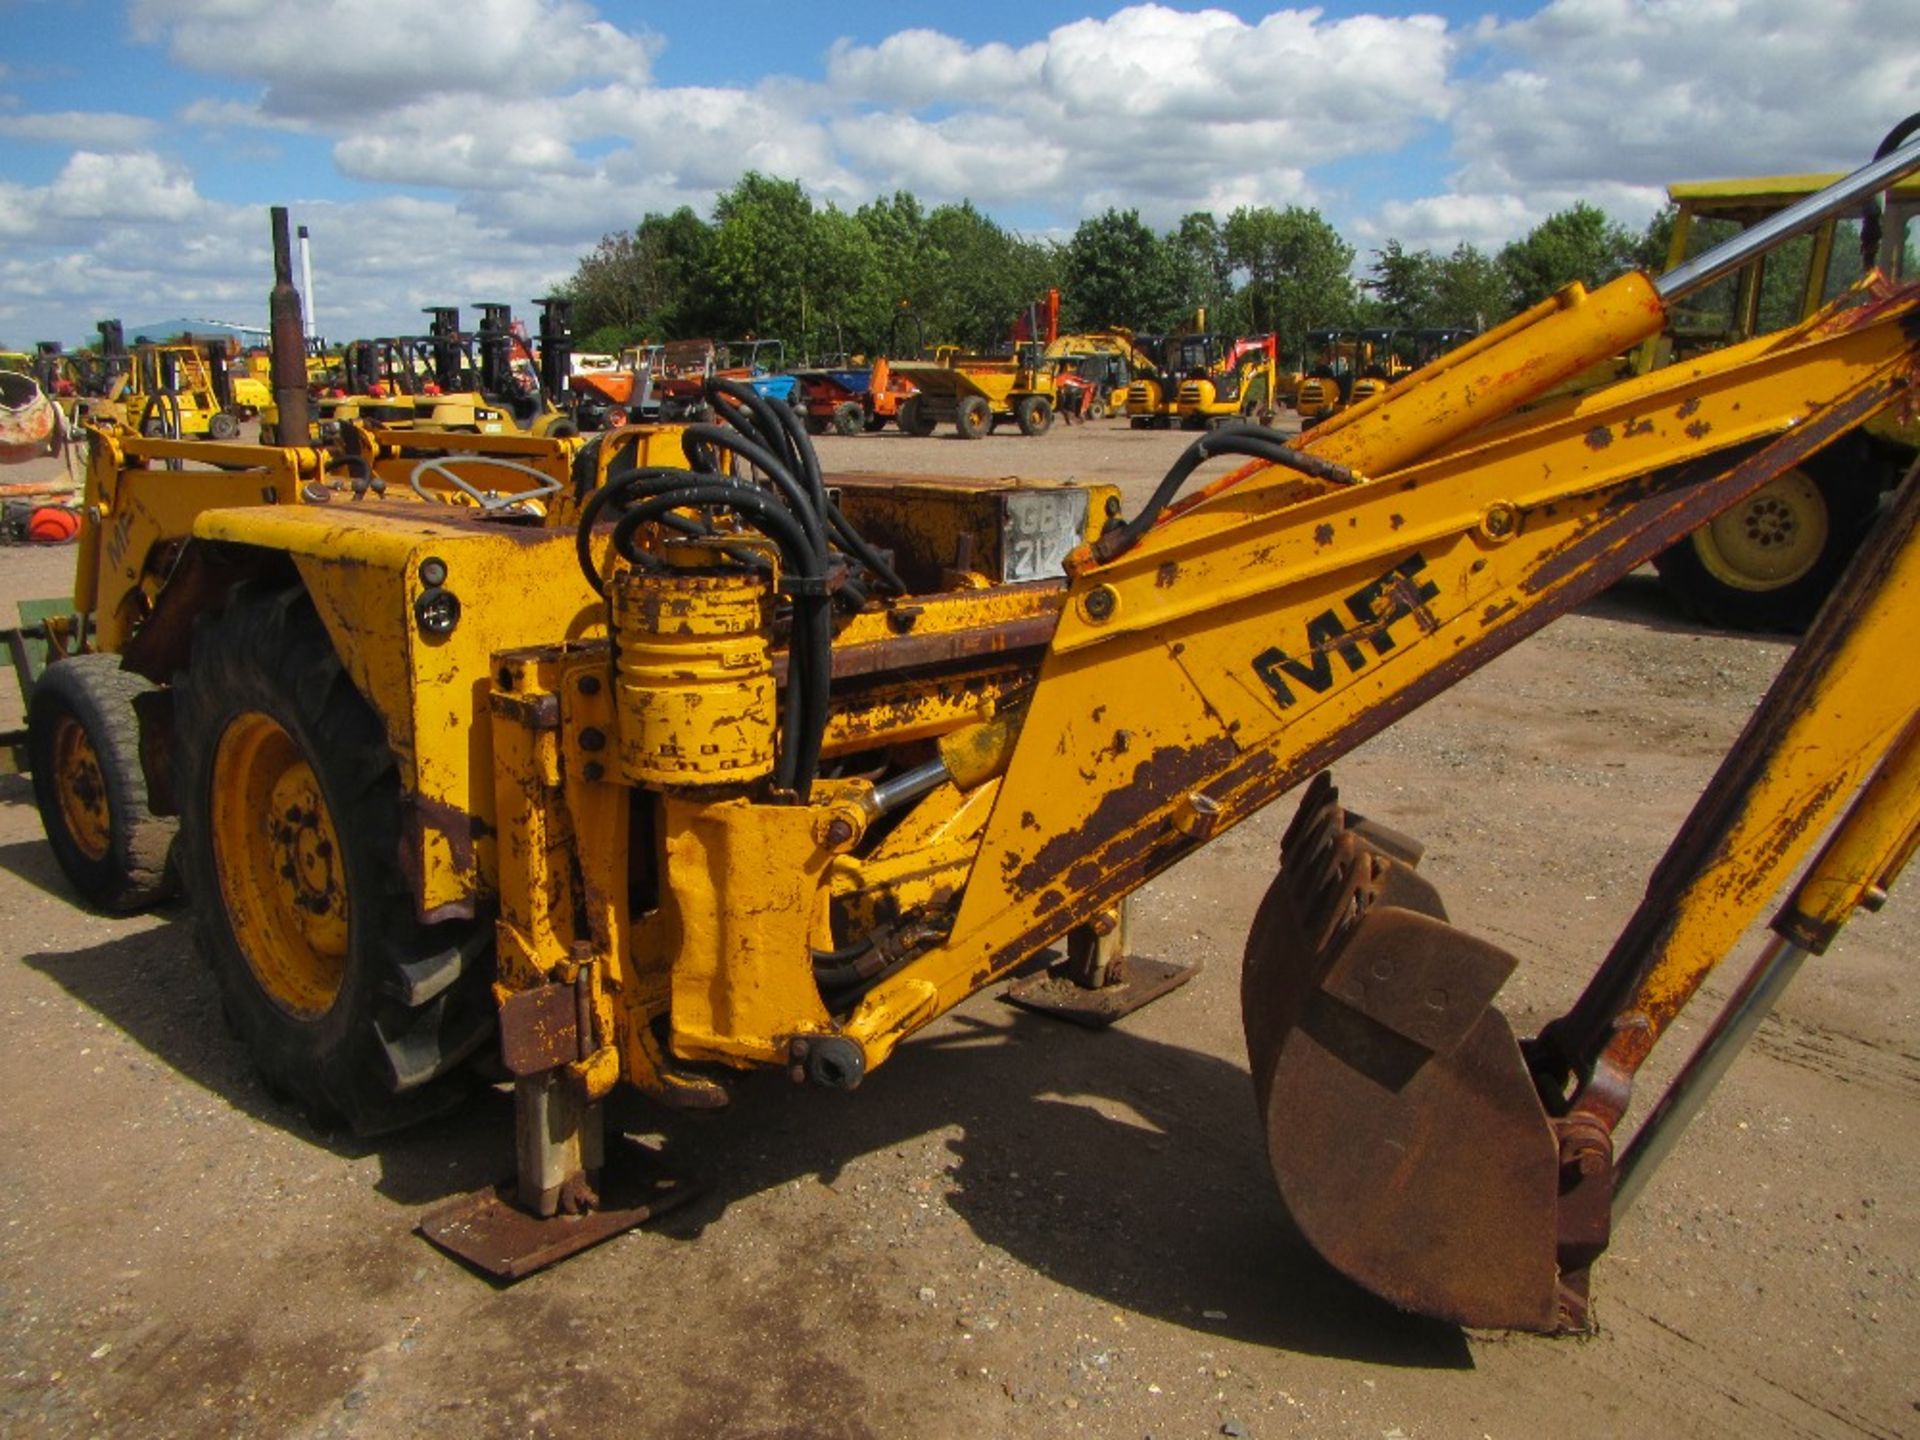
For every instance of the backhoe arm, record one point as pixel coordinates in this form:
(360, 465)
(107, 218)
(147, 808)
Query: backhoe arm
(1273, 624)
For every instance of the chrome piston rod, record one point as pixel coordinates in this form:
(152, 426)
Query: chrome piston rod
(1723, 259)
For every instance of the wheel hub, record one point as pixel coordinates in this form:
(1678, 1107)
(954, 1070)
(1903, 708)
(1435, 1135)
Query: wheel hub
(82, 789)
(1771, 540)
(280, 867)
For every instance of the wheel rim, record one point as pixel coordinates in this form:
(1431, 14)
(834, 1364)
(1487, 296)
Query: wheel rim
(280, 866)
(82, 789)
(1769, 540)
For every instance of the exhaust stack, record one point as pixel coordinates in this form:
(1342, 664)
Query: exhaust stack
(289, 341)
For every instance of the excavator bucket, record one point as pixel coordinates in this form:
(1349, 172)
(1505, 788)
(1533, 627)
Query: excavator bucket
(1409, 1141)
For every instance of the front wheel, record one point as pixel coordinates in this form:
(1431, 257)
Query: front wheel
(290, 812)
(83, 742)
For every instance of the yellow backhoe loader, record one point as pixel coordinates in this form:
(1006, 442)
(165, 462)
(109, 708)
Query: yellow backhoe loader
(640, 767)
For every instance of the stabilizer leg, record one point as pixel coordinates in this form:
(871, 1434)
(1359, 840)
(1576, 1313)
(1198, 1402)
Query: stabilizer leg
(1099, 981)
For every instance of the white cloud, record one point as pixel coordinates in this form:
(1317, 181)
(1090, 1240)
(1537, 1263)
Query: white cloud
(504, 137)
(1650, 91)
(325, 58)
(1170, 109)
(84, 129)
(920, 67)
(93, 189)
(1609, 101)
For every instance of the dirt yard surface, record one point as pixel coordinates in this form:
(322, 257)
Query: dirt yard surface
(1016, 1228)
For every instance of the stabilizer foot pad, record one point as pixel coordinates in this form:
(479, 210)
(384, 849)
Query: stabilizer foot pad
(1053, 993)
(495, 1236)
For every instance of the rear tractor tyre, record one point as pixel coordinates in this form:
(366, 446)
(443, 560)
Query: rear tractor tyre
(1035, 415)
(83, 742)
(1769, 562)
(848, 418)
(289, 828)
(974, 418)
(222, 426)
(875, 423)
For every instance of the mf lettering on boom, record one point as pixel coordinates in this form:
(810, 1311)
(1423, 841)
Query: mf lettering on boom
(1372, 611)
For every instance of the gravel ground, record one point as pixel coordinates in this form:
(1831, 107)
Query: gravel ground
(1016, 1228)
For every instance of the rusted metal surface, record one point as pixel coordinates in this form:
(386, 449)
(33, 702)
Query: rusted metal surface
(1055, 992)
(1577, 1040)
(494, 1235)
(540, 1029)
(908, 652)
(1403, 1128)
(288, 369)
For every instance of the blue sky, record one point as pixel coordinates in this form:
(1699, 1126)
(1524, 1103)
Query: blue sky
(449, 151)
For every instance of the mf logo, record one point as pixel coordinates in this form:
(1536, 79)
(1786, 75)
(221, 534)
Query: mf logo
(1374, 608)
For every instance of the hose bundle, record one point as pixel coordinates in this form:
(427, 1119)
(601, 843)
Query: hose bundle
(822, 557)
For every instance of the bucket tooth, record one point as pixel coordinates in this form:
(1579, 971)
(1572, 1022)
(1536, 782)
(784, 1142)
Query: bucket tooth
(1406, 1135)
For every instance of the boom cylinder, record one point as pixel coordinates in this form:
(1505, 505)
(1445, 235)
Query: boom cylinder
(1557, 339)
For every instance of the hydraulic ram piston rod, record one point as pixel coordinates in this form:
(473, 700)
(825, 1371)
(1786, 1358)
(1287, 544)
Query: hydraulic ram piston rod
(1723, 259)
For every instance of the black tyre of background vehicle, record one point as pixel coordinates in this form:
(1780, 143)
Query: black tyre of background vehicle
(290, 832)
(1034, 414)
(974, 418)
(222, 426)
(1769, 562)
(83, 741)
(916, 419)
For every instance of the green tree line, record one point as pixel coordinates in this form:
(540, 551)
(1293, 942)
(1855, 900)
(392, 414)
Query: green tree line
(770, 263)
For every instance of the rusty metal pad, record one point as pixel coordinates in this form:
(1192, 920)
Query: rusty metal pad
(1052, 993)
(540, 1029)
(488, 1231)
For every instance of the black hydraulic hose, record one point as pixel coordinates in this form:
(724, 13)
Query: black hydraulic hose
(779, 428)
(739, 401)
(799, 503)
(1871, 218)
(757, 505)
(621, 486)
(843, 954)
(794, 512)
(854, 541)
(1254, 441)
